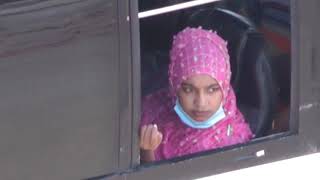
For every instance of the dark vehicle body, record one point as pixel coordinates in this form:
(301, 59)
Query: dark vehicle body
(70, 94)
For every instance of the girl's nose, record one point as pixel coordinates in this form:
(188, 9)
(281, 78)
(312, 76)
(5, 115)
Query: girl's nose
(201, 101)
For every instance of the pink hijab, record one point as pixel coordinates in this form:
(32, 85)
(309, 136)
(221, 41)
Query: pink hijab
(195, 51)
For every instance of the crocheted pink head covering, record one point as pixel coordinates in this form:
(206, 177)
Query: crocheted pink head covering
(199, 51)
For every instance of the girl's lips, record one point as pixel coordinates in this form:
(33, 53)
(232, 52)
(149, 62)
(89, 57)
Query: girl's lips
(201, 114)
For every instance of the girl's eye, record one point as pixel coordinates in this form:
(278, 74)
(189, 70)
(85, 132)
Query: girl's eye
(187, 89)
(213, 89)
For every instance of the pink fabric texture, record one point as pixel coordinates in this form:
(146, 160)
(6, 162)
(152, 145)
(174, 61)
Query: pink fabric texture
(195, 51)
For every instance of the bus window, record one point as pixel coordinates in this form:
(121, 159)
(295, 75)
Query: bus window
(257, 37)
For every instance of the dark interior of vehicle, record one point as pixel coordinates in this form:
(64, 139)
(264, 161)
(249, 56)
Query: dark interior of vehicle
(260, 74)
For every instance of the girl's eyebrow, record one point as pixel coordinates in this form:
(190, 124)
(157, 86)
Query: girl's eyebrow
(214, 85)
(185, 84)
(210, 86)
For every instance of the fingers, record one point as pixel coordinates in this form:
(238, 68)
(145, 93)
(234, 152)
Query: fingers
(142, 135)
(154, 136)
(150, 137)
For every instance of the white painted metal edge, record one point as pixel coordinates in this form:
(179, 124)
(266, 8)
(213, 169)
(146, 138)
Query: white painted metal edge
(175, 7)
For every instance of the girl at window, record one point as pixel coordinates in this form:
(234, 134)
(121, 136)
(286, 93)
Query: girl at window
(198, 111)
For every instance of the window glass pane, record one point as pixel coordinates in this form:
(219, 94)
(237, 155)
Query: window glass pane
(258, 39)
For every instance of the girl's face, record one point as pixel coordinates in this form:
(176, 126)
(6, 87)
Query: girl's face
(200, 96)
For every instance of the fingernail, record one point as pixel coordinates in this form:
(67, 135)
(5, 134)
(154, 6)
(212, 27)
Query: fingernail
(155, 126)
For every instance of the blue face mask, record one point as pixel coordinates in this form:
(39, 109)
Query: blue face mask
(186, 119)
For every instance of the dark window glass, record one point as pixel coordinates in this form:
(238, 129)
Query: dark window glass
(259, 44)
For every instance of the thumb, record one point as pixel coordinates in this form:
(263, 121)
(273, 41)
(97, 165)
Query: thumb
(160, 136)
